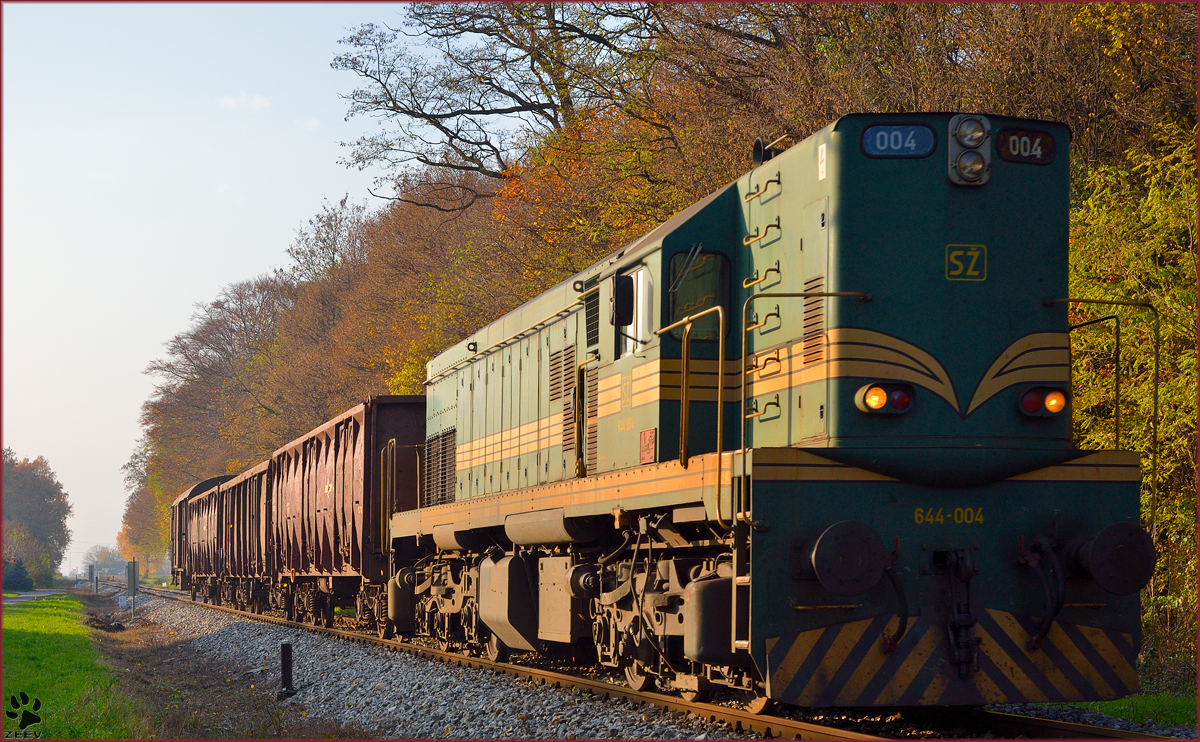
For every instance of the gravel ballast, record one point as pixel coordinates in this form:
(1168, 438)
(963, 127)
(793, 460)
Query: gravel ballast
(395, 694)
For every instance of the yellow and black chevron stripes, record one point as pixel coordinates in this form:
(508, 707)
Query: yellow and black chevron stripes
(855, 352)
(1041, 358)
(845, 664)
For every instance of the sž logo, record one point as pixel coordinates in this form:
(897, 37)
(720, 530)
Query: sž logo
(23, 710)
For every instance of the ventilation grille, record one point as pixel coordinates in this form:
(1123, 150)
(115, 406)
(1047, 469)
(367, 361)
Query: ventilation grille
(439, 476)
(814, 321)
(591, 313)
(593, 411)
(556, 375)
(566, 375)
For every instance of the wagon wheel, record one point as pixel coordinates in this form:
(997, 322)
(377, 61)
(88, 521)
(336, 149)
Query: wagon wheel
(637, 677)
(760, 705)
(497, 650)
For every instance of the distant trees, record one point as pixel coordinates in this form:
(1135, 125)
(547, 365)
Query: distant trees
(35, 516)
(106, 558)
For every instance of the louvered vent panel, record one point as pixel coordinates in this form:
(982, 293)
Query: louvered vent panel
(556, 379)
(814, 322)
(567, 374)
(593, 410)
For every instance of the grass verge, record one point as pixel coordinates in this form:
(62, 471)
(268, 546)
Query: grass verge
(49, 656)
(1168, 709)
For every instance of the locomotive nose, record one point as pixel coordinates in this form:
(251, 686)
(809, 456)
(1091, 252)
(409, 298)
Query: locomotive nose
(1120, 558)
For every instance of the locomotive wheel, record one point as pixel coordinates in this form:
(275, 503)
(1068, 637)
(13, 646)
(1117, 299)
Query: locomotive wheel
(760, 705)
(497, 650)
(637, 678)
(383, 625)
(385, 628)
(695, 696)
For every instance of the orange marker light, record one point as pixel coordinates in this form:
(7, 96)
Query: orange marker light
(875, 398)
(1055, 401)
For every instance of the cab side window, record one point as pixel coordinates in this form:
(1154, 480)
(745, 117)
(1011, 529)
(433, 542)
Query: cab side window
(633, 338)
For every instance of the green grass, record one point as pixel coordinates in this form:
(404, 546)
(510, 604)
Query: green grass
(48, 654)
(11, 595)
(1168, 709)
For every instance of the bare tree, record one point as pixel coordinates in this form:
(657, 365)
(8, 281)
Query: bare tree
(331, 239)
(494, 77)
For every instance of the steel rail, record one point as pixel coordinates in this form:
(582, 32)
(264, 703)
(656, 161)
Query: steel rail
(764, 724)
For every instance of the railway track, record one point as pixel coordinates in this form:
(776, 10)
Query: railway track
(765, 724)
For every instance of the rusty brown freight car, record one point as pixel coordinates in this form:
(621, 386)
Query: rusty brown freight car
(335, 490)
(248, 557)
(184, 564)
(230, 554)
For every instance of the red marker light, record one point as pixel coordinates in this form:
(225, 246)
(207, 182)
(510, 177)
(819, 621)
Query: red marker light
(1031, 401)
(901, 398)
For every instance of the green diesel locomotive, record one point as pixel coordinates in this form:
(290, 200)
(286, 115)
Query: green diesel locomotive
(809, 438)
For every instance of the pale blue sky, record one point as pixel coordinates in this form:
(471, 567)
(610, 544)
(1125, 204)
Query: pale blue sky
(151, 155)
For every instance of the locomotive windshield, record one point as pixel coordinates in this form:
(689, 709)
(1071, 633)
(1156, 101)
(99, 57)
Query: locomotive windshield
(699, 280)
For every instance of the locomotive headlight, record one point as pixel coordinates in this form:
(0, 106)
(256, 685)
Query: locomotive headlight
(875, 398)
(970, 133)
(1056, 401)
(970, 165)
